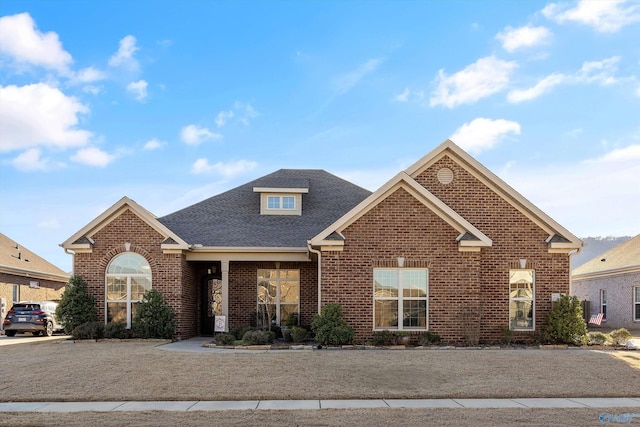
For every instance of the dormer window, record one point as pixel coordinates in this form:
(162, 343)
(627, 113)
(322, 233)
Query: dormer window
(283, 197)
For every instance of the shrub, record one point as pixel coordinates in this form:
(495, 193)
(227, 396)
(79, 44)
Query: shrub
(117, 330)
(298, 334)
(224, 339)
(596, 338)
(620, 336)
(383, 338)
(88, 331)
(76, 305)
(565, 323)
(240, 331)
(258, 337)
(154, 317)
(429, 337)
(506, 335)
(330, 328)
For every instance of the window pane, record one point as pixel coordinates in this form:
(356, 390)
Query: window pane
(386, 314)
(385, 283)
(289, 274)
(521, 314)
(266, 314)
(520, 276)
(116, 288)
(139, 285)
(414, 283)
(637, 289)
(267, 291)
(289, 291)
(637, 311)
(286, 310)
(521, 290)
(414, 313)
(129, 263)
(273, 202)
(117, 312)
(288, 203)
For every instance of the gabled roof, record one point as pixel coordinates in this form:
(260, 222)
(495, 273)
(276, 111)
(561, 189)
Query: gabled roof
(469, 236)
(559, 237)
(232, 219)
(17, 260)
(81, 240)
(623, 258)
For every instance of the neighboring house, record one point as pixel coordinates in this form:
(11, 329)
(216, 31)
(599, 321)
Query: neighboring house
(611, 284)
(444, 246)
(24, 276)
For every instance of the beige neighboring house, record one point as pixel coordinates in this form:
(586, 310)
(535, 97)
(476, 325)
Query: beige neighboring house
(611, 283)
(24, 276)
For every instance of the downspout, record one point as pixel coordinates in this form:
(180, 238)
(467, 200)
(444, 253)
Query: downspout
(73, 259)
(572, 252)
(319, 253)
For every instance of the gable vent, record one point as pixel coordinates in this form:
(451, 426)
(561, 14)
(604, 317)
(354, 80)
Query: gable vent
(445, 176)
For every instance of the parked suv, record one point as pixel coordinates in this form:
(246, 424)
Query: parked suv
(35, 317)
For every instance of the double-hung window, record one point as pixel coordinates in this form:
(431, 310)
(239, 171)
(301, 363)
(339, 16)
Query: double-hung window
(278, 295)
(400, 298)
(128, 278)
(636, 304)
(603, 303)
(521, 300)
(281, 202)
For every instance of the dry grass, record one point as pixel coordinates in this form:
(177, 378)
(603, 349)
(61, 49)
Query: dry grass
(138, 371)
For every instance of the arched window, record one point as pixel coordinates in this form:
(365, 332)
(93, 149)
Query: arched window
(128, 278)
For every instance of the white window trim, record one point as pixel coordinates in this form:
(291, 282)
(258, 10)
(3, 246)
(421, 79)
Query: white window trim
(636, 302)
(129, 301)
(278, 303)
(400, 298)
(266, 210)
(532, 299)
(603, 304)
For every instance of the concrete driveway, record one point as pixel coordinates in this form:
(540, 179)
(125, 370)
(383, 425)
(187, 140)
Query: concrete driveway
(28, 338)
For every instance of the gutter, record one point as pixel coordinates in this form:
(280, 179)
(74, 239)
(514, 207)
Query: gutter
(319, 253)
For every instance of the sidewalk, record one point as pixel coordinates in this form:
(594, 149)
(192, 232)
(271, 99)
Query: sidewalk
(292, 405)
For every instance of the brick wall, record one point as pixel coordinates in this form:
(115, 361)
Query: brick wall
(49, 290)
(465, 289)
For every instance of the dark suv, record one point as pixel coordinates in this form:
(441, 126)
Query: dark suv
(34, 317)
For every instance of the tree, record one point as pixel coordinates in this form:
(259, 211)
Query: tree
(566, 324)
(154, 317)
(76, 306)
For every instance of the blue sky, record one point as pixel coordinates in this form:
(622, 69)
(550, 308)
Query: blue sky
(173, 102)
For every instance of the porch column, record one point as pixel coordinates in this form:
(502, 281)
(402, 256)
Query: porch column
(224, 267)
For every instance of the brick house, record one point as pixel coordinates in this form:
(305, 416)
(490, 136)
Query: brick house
(611, 284)
(444, 246)
(25, 276)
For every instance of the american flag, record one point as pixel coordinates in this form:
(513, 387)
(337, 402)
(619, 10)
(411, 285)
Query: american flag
(596, 319)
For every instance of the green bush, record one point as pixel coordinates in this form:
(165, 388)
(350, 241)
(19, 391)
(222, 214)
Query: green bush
(506, 335)
(76, 305)
(565, 323)
(117, 330)
(88, 331)
(224, 339)
(596, 338)
(429, 337)
(239, 332)
(330, 328)
(258, 337)
(298, 334)
(383, 338)
(620, 336)
(154, 317)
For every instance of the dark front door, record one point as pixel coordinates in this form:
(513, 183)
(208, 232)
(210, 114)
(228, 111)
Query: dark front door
(211, 298)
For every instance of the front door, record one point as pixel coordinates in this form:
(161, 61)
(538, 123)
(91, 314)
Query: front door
(211, 298)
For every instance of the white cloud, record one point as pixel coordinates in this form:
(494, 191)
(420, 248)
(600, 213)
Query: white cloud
(345, 82)
(154, 144)
(244, 112)
(22, 41)
(223, 117)
(194, 135)
(93, 156)
(602, 72)
(49, 224)
(228, 170)
(404, 96)
(138, 89)
(30, 161)
(604, 16)
(483, 78)
(482, 134)
(39, 114)
(523, 37)
(620, 155)
(124, 56)
(92, 89)
(88, 75)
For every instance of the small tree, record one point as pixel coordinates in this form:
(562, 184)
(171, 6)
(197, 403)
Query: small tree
(76, 306)
(566, 324)
(154, 317)
(330, 327)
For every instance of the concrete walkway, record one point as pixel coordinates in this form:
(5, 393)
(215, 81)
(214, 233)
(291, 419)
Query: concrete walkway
(289, 405)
